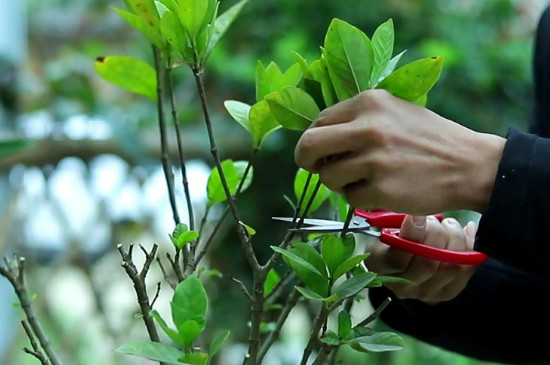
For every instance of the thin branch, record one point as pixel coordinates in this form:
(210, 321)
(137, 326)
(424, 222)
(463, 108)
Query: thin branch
(313, 338)
(165, 274)
(156, 295)
(374, 315)
(36, 351)
(274, 335)
(243, 288)
(14, 271)
(165, 158)
(138, 279)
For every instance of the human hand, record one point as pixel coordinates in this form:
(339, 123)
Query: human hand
(382, 152)
(433, 281)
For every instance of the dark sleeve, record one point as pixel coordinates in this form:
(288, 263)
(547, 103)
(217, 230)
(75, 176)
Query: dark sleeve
(515, 228)
(501, 317)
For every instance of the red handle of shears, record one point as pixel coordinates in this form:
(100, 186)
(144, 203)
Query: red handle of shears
(390, 223)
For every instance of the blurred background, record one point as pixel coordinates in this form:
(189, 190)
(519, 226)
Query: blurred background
(91, 178)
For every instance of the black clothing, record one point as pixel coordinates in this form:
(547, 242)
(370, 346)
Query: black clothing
(502, 315)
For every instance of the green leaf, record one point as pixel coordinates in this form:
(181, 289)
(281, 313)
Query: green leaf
(192, 15)
(163, 5)
(182, 236)
(299, 185)
(189, 331)
(129, 73)
(305, 271)
(353, 285)
(251, 231)
(150, 32)
(9, 147)
(222, 24)
(293, 108)
(331, 338)
(378, 342)
(382, 47)
(262, 122)
(271, 281)
(311, 255)
(270, 79)
(153, 351)
(173, 334)
(195, 358)
(414, 79)
(389, 68)
(319, 72)
(144, 9)
(218, 342)
(309, 294)
(344, 324)
(333, 250)
(380, 280)
(239, 111)
(349, 58)
(348, 265)
(189, 302)
(233, 172)
(174, 34)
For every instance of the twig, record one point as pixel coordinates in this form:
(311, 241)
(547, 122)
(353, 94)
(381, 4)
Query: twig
(156, 295)
(323, 353)
(165, 275)
(313, 338)
(138, 279)
(165, 158)
(273, 335)
(36, 351)
(14, 271)
(243, 288)
(374, 315)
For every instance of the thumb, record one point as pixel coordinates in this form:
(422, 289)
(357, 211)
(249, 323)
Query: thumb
(413, 228)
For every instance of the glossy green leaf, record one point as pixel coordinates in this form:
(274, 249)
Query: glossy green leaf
(300, 181)
(144, 9)
(262, 122)
(344, 324)
(218, 342)
(9, 147)
(414, 79)
(333, 251)
(305, 271)
(222, 24)
(239, 112)
(195, 358)
(163, 5)
(271, 281)
(153, 351)
(251, 231)
(150, 32)
(382, 48)
(293, 108)
(189, 331)
(349, 265)
(311, 255)
(389, 68)
(270, 79)
(349, 58)
(189, 302)
(129, 73)
(173, 334)
(353, 285)
(378, 342)
(381, 279)
(174, 34)
(233, 172)
(309, 294)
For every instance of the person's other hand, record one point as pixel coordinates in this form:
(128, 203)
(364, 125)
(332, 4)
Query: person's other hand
(434, 281)
(382, 152)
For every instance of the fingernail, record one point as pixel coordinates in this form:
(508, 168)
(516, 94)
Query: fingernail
(470, 229)
(451, 222)
(419, 220)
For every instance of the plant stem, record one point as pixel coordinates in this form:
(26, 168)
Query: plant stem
(313, 339)
(165, 159)
(15, 273)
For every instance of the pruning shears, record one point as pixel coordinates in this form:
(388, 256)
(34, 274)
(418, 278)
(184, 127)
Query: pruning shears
(385, 225)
